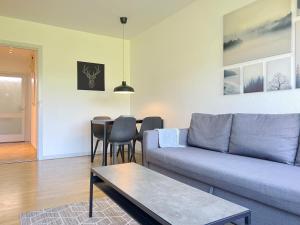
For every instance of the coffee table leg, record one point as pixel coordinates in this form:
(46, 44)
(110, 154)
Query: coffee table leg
(91, 195)
(248, 220)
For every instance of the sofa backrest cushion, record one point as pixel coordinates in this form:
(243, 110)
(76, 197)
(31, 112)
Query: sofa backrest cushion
(210, 131)
(270, 137)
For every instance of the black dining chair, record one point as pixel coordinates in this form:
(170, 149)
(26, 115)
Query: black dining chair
(122, 133)
(149, 123)
(98, 132)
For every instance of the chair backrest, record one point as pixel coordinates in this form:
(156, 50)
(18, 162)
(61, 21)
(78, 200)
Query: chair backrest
(123, 129)
(151, 123)
(127, 116)
(98, 130)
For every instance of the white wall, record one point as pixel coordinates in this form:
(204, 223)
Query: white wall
(177, 69)
(66, 112)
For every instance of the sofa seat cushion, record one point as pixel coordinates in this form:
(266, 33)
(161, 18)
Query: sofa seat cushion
(210, 131)
(271, 183)
(271, 137)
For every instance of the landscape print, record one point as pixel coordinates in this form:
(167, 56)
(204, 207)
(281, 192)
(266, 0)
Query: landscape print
(297, 54)
(232, 81)
(253, 78)
(259, 30)
(279, 74)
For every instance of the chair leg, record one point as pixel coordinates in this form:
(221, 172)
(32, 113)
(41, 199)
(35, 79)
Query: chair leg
(128, 154)
(134, 143)
(114, 152)
(132, 153)
(93, 155)
(110, 150)
(107, 145)
(122, 153)
(119, 150)
(142, 152)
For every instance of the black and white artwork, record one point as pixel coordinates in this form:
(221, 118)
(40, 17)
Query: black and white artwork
(253, 78)
(232, 81)
(90, 76)
(279, 74)
(258, 30)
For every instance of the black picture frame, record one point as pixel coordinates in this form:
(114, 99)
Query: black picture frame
(90, 76)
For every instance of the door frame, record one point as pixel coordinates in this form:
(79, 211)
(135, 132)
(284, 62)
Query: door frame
(11, 137)
(39, 88)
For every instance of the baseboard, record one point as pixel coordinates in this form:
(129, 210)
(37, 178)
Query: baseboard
(61, 156)
(79, 154)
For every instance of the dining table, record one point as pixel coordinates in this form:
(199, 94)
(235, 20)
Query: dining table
(105, 123)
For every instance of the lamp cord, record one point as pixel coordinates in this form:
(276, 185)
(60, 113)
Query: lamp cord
(123, 52)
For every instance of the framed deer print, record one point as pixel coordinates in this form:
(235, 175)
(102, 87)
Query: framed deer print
(90, 76)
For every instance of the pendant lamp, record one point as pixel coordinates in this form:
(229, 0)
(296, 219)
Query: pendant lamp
(124, 88)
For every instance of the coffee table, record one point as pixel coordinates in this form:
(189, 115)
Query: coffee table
(152, 198)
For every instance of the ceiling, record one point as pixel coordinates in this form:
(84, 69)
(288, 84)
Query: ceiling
(94, 16)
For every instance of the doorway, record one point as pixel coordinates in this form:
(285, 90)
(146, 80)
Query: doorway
(18, 128)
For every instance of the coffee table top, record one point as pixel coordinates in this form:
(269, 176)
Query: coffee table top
(166, 199)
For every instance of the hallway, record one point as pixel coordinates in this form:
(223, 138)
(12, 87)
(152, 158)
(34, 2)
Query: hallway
(17, 152)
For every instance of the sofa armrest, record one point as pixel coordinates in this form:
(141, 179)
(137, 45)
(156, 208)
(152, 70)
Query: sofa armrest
(150, 141)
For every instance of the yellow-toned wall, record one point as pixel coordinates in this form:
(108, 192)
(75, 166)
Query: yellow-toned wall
(177, 68)
(66, 112)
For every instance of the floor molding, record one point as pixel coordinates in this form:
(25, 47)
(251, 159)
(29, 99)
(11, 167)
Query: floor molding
(62, 156)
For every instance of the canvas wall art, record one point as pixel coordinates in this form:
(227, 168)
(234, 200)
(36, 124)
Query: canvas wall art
(253, 78)
(298, 7)
(279, 74)
(232, 81)
(297, 58)
(259, 30)
(90, 76)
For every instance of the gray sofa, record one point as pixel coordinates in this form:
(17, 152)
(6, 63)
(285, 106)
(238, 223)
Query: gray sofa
(249, 159)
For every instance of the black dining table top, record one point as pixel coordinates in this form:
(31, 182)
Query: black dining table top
(109, 121)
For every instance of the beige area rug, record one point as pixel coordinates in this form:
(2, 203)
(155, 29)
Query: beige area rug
(105, 212)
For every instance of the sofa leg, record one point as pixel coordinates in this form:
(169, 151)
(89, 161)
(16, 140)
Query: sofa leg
(248, 220)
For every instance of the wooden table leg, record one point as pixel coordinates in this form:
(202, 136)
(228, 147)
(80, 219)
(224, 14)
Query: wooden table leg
(92, 142)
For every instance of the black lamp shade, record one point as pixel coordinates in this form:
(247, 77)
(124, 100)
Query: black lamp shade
(123, 88)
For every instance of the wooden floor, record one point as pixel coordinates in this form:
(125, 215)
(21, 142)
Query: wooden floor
(16, 152)
(36, 185)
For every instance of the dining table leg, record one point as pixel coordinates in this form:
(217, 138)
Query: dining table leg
(104, 160)
(92, 142)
